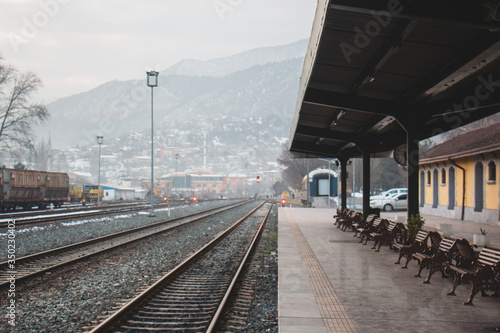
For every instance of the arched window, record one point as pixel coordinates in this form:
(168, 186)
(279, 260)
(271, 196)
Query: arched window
(478, 187)
(443, 177)
(451, 189)
(492, 172)
(435, 189)
(422, 189)
(428, 178)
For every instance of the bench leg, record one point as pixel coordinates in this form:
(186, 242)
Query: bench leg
(408, 259)
(473, 293)
(423, 264)
(399, 258)
(457, 279)
(431, 272)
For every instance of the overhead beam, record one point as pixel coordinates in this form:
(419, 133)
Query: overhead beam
(349, 102)
(304, 147)
(467, 13)
(464, 66)
(325, 133)
(389, 47)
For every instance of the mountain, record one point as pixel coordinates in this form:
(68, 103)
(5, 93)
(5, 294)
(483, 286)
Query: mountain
(232, 64)
(260, 83)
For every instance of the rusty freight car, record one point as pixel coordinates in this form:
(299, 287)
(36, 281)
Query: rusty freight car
(30, 188)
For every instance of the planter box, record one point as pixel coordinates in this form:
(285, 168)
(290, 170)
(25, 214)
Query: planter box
(480, 240)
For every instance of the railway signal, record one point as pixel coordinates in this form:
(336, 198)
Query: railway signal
(283, 202)
(83, 202)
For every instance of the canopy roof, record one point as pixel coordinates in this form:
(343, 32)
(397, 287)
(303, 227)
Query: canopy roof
(375, 68)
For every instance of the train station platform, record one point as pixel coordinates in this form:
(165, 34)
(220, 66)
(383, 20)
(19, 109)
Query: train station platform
(329, 282)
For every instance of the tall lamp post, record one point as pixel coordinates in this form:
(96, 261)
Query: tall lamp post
(99, 142)
(152, 82)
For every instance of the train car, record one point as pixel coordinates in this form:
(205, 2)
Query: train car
(92, 193)
(322, 182)
(30, 188)
(19, 188)
(75, 193)
(54, 187)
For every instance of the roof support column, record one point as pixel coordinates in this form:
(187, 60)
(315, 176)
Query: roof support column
(412, 165)
(366, 183)
(343, 183)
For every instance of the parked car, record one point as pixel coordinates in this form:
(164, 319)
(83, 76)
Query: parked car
(396, 201)
(388, 193)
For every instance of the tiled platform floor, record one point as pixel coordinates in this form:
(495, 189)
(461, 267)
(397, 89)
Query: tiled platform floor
(328, 282)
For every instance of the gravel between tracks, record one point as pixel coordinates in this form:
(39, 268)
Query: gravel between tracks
(68, 300)
(36, 239)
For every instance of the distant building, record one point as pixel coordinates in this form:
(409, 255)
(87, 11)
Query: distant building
(114, 193)
(461, 175)
(200, 182)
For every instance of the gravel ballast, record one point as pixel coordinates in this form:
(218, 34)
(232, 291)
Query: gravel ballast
(71, 298)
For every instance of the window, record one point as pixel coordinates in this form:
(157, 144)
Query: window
(478, 187)
(451, 189)
(435, 189)
(492, 172)
(422, 189)
(428, 178)
(443, 177)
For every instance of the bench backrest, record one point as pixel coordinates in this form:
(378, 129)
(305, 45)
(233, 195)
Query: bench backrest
(447, 244)
(435, 239)
(489, 256)
(422, 236)
(391, 226)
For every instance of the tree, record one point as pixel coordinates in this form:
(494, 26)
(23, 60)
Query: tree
(18, 114)
(296, 168)
(19, 166)
(42, 155)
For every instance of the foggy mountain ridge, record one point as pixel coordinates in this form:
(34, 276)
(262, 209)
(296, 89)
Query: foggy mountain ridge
(265, 87)
(224, 66)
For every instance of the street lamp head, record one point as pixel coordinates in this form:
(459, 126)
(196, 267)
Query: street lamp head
(99, 139)
(152, 78)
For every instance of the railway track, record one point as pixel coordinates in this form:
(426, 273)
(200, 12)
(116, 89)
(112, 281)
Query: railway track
(191, 298)
(63, 215)
(31, 265)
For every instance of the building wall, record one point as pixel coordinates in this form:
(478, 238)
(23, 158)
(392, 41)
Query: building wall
(480, 206)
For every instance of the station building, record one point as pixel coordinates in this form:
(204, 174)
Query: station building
(459, 178)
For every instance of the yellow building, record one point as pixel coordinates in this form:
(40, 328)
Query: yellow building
(459, 178)
(199, 183)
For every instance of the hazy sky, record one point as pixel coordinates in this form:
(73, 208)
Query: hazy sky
(76, 45)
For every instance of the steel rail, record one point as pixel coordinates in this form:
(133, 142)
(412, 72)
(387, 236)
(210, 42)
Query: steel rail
(88, 244)
(222, 305)
(113, 321)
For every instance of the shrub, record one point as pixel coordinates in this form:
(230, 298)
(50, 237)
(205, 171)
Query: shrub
(415, 223)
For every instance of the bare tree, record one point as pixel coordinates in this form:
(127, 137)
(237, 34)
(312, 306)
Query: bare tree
(296, 168)
(42, 155)
(18, 114)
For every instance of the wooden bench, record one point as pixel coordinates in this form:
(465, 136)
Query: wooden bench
(483, 272)
(388, 235)
(341, 215)
(363, 224)
(440, 260)
(354, 217)
(425, 242)
(378, 226)
(348, 217)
